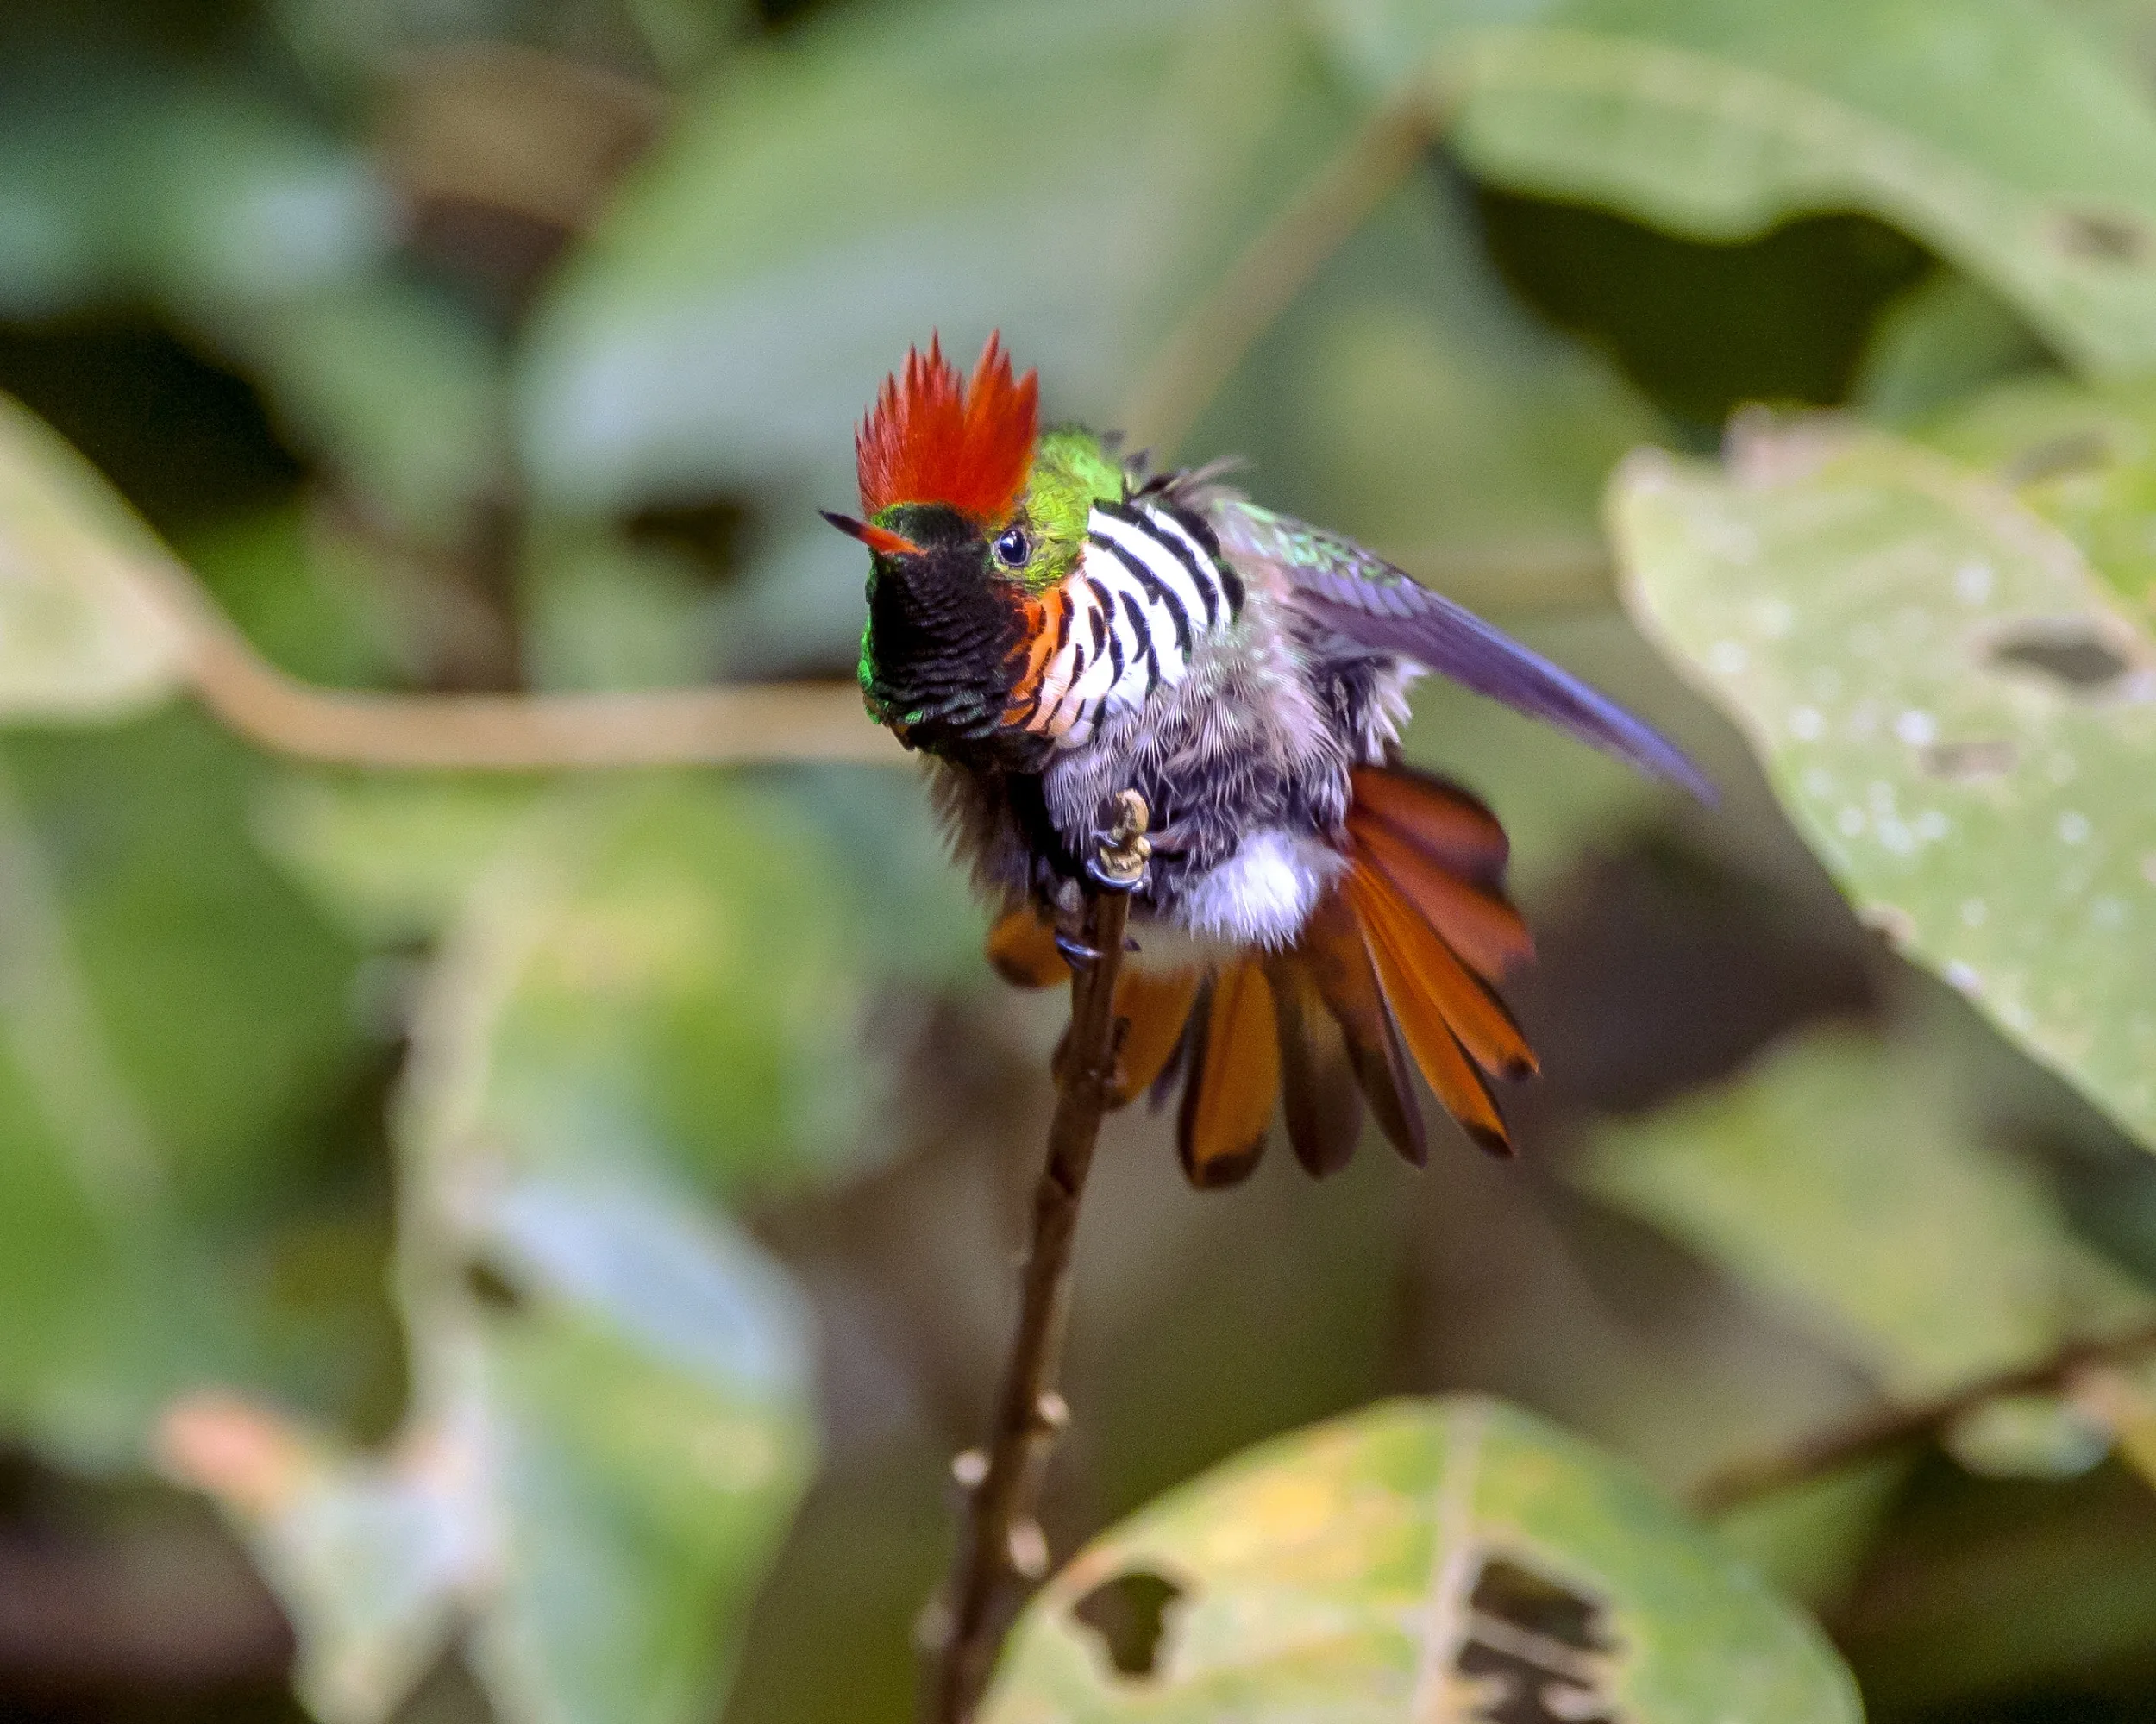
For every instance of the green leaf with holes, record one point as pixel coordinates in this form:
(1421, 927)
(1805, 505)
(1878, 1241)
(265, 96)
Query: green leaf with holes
(82, 633)
(1993, 130)
(2083, 458)
(1956, 711)
(1435, 1560)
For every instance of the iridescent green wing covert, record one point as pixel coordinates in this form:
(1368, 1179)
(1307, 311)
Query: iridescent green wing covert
(1357, 594)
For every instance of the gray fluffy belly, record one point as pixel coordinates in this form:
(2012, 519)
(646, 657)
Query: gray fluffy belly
(1244, 764)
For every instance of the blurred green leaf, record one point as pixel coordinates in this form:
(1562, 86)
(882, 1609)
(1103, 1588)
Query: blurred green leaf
(2125, 29)
(177, 1013)
(399, 391)
(669, 968)
(225, 998)
(683, 36)
(119, 179)
(1939, 342)
(1950, 707)
(304, 590)
(354, 45)
(1407, 398)
(230, 203)
(81, 635)
(369, 1557)
(111, 1306)
(50, 258)
(266, 238)
(1992, 130)
(611, 1417)
(1846, 1179)
(1422, 1559)
(656, 1429)
(606, 613)
(604, 1450)
(391, 858)
(1074, 175)
(622, 1001)
(1811, 1539)
(912, 910)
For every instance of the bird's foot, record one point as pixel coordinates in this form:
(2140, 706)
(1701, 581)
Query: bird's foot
(1076, 953)
(1120, 865)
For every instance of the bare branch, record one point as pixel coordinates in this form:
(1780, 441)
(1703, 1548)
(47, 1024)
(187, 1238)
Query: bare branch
(798, 721)
(1891, 1427)
(1001, 1550)
(779, 722)
(1206, 348)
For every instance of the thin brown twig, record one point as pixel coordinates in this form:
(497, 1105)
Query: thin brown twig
(753, 725)
(756, 724)
(1890, 1427)
(1205, 349)
(761, 723)
(999, 1546)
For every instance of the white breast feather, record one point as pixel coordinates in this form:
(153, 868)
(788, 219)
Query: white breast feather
(1263, 893)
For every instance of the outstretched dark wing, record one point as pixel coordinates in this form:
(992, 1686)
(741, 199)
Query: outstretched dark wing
(1365, 598)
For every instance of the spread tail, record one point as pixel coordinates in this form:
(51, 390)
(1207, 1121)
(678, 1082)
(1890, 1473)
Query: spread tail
(1396, 969)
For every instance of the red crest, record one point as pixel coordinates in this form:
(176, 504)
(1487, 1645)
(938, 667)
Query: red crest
(934, 438)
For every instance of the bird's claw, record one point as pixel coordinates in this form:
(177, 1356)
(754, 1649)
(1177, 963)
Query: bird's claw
(1076, 953)
(1109, 876)
(1119, 863)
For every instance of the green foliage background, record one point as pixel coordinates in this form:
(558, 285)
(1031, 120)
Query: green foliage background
(525, 1246)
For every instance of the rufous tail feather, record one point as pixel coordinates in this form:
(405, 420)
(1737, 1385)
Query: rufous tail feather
(1231, 1078)
(1395, 970)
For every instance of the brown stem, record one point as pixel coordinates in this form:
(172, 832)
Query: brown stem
(999, 1546)
(1205, 349)
(666, 727)
(1860, 1439)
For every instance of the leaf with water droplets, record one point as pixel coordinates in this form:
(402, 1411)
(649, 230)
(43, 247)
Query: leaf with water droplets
(1959, 717)
(2083, 458)
(1454, 1561)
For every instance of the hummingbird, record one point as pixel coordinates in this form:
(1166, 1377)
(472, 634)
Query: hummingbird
(1052, 623)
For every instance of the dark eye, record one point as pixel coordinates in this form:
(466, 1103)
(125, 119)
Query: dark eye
(1013, 548)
